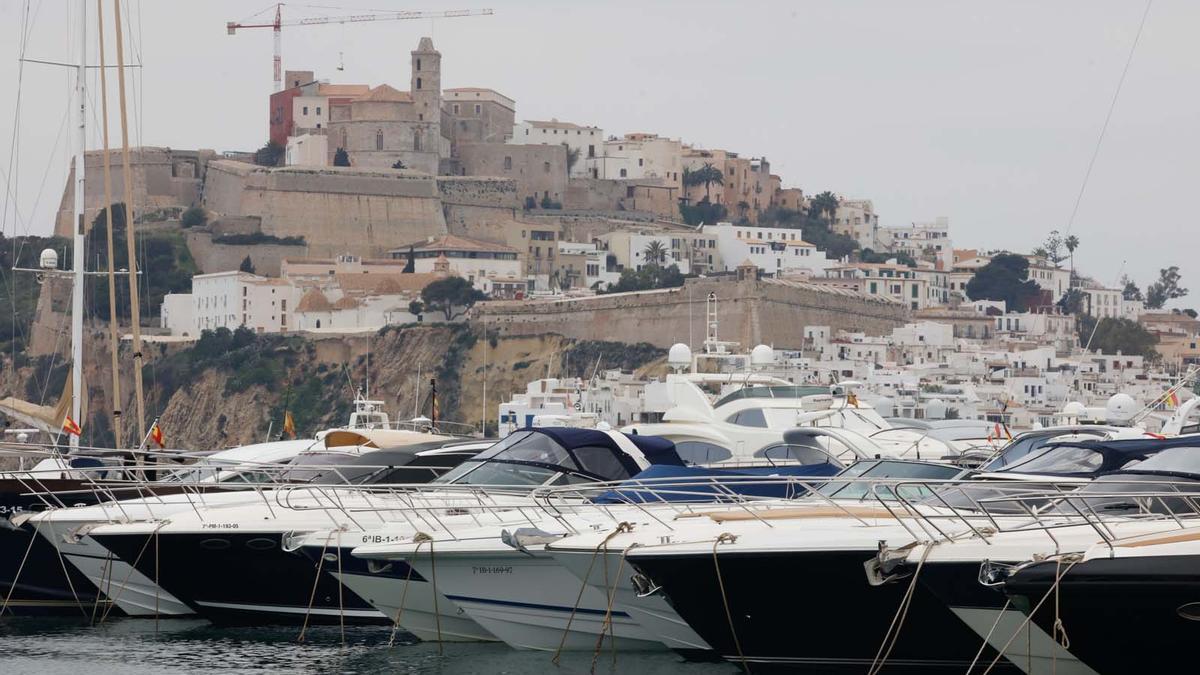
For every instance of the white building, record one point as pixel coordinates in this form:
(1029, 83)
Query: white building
(588, 141)
(310, 112)
(922, 241)
(233, 299)
(472, 259)
(856, 218)
(630, 249)
(1105, 303)
(774, 250)
(639, 156)
(1049, 277)
(595, 262)
(307, 150)
(899, 283)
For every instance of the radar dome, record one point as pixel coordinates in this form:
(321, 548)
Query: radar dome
(762, 355)
(935, 409)
(885, 406)
(1074, 409)
(1120, 408)
(680, 355)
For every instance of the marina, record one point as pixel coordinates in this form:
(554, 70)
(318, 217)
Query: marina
(421, 386)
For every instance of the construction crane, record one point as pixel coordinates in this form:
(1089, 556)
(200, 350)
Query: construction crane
(277, 25)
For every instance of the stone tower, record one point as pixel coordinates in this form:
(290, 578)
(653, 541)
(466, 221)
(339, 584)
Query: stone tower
(426, 88)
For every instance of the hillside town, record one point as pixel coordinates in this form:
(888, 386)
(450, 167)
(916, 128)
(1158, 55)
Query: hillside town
(377, 205)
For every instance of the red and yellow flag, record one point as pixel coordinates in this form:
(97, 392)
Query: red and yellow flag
(156, 435)
(289, 424)
(71, 427)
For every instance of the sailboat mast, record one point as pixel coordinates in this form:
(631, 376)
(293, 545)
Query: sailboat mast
(114, 327)
(134, 305)
(77, 251)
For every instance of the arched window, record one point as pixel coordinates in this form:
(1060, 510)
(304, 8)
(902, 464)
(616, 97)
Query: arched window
(379, 139)
(418, 83)
(417, 140)
(318, 323)
(344, 139)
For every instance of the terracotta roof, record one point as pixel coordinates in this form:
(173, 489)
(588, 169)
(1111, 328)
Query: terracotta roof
(346, 302)
(472, 90)
(314, 301)
(454, 243)
(342, 89)
(381, 284)
(385, 94)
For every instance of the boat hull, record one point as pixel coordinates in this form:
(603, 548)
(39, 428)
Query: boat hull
(836, 620)
(1122, 615)
(241, 578)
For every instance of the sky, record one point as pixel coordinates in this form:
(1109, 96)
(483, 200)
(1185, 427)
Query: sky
(987, 113)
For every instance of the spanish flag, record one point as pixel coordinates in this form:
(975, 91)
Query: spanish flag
(289, 424)
(1173, 399)
(851, 399)
(71, 427)
(156, 435)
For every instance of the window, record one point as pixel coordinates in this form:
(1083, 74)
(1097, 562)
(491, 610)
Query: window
(623, 173)
(305, 110)
(700, 452)
(546, 167)
(639, 161)
(318, 110)
(752, 417)
(456, 112)
(478, 108)
(418, 68)
(418, 80)
(508, 163)
(599, 461)
(379, 139)
(417, 141)
(591, 151)
(802, 454)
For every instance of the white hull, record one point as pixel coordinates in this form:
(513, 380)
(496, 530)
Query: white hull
(442, 621)
(653, 613)
(1036, 653)
(131, 591)
(527, 602)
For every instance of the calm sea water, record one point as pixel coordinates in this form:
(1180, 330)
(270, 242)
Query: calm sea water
(68, 646)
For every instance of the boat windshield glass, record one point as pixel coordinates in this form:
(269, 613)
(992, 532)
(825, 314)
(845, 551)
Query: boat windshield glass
(306, 468)
(1027, 444)
(863, 489)
(782, 391)
(523, 458)
(1058, 459)
(1130, 494)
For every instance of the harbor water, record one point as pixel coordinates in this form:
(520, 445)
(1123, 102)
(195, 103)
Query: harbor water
(135, 646)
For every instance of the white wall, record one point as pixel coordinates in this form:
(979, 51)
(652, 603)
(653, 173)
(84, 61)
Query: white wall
(589, 141)
(307, 150)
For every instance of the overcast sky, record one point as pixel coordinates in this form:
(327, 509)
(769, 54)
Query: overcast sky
(985, 112)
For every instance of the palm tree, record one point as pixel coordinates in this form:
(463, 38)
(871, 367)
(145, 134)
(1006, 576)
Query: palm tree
(1072, 243)
(826, 202)
(655, 252)
(706, 176)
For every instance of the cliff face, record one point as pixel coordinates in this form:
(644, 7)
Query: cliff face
(230, 389)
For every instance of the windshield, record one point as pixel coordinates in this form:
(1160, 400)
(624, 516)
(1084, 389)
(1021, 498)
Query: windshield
(866, 490)
(1027, 444)
(1058, 460)
(523, 458)
(317, 467)
(1183, 461)
(1129, 494)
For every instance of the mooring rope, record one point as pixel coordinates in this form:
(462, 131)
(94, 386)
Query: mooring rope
(893, 632)
(607, 625)
(988, 638)
(20, 569)
(603, 545)
(313, 595)
(726, 537)
(403, 598)
(1029, 616)
(132, 568)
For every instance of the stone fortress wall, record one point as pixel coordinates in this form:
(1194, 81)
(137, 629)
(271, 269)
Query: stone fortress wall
(766, 311)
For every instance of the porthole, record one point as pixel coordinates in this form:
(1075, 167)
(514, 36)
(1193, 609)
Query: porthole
(260, 544)
(215, 544)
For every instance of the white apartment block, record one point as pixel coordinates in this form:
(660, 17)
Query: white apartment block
(774, 250)
(639, 156)
(595, 262)
(629, 249)
(233, 299)
(922, 241)
(857, 218)
(884, 280)
(1110, 303)
(1050, 278)
(588, 141)
(310, 112)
